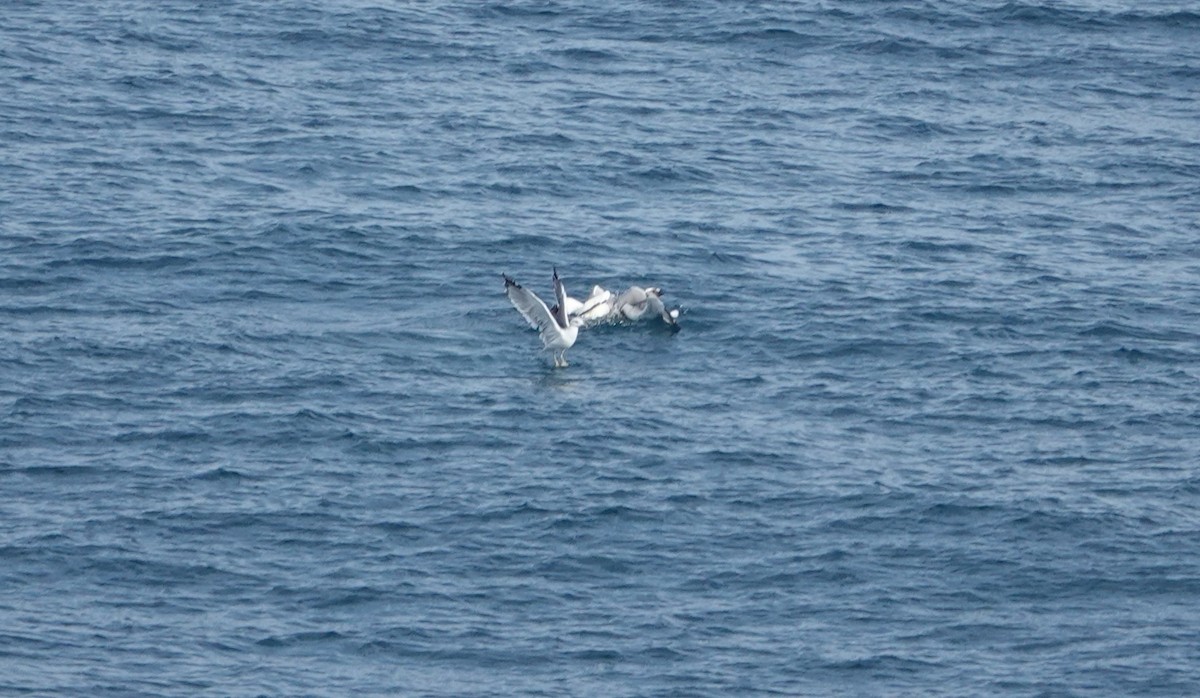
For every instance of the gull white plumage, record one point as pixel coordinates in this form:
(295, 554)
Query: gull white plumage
(636, 302)
(557, 329)
(598, 306)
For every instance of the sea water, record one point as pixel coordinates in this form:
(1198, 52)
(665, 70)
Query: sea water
(268, 425)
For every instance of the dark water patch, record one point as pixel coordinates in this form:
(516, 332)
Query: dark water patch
(906, 47)
(163, 434)
(903, 128)
(597, 655)
(567, 567)
(589, 55)
(350, 598)
(520, 10)
(881, 664)
(773, 38)
(220, 474)
(543, 140)
(1044, 16)
(872, 207)
(301, 639)
(667, 174)
(1115, 329)
(66, 472)
(938, 248)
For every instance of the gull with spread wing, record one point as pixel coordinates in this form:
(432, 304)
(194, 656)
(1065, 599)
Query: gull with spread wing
(558, 329)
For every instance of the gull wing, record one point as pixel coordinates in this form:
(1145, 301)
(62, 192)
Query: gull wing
(560, 295)
(534, 310)
(599, 297)
(527, 304)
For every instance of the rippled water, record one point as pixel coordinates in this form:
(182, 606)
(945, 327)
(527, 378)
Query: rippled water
(270, 426)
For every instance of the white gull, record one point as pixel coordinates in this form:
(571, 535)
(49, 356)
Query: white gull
(597, 307)
(636, 302)
(557, 329)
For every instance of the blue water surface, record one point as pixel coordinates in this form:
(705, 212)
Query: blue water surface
(269, 426)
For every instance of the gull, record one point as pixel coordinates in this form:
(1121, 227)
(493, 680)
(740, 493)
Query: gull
(635, 302)
(597, 307)
(557, 329)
